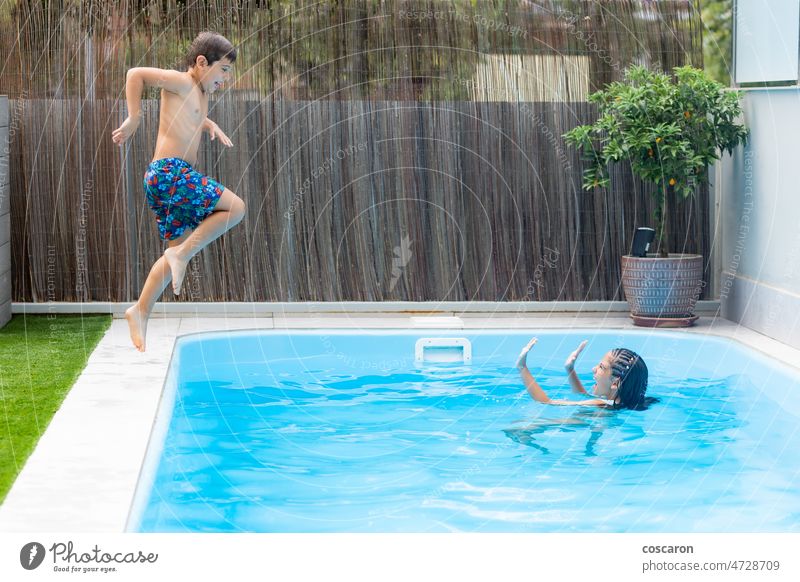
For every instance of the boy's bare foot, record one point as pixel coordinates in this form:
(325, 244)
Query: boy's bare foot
(522, 361)
(138, 326)
(177, 266)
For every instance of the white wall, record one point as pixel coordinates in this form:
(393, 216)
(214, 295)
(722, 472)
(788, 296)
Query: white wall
(758, 191)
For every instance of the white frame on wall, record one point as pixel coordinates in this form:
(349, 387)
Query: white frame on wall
(771, 38)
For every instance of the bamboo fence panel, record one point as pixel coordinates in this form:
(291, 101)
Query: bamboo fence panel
(384, 154)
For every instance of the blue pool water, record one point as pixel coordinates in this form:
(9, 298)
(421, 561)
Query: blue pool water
(329, 431)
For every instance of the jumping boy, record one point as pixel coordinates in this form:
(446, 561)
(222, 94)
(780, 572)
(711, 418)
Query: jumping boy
(191, 209)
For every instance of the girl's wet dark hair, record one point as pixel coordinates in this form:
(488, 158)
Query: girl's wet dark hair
(212, 46)
(630, 369)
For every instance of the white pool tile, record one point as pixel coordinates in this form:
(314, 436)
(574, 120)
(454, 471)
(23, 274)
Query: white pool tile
(199, 324)
(347, 321)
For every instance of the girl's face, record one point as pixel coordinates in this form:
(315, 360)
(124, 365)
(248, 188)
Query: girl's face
(605, 386)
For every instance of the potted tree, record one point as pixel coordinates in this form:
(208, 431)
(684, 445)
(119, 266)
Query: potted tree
(670, 131)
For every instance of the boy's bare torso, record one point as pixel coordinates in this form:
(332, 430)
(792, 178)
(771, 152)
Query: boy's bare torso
(180, 124)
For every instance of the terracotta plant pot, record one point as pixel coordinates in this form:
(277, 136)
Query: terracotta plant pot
(662, 292)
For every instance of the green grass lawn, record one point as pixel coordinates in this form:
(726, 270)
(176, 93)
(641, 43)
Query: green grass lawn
(40, 359)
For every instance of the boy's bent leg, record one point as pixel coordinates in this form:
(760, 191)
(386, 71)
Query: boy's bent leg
(138, 314)
(228, 212)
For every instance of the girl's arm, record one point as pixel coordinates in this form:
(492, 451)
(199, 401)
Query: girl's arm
(592, 402)
(535, 390)
(533, 387)
(574, 381)
(530, 382)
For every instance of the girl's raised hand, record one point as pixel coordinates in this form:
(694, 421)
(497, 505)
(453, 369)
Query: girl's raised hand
(523, 355)
(570, 363)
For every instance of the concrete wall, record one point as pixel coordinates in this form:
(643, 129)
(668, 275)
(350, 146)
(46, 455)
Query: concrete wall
(5, 216)
(759, 218)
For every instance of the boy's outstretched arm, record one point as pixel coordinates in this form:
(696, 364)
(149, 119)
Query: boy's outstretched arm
(135, 81)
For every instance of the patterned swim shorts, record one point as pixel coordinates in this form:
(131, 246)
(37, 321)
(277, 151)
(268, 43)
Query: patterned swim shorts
(180, 196)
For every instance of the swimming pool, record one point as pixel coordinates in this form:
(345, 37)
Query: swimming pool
(341, 431)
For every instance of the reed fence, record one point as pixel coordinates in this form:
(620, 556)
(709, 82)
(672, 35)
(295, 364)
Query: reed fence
(386, 150)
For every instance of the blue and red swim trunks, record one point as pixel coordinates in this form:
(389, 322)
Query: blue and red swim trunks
(180, 196)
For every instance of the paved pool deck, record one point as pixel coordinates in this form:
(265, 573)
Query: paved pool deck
(83, 474)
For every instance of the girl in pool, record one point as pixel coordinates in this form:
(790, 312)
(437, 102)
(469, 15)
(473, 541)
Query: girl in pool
(620, 380)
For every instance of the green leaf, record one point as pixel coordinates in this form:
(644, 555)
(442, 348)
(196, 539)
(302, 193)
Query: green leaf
(687, 122)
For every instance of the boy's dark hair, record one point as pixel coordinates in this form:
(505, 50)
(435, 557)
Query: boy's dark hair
(633, 375)
(212, 46)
